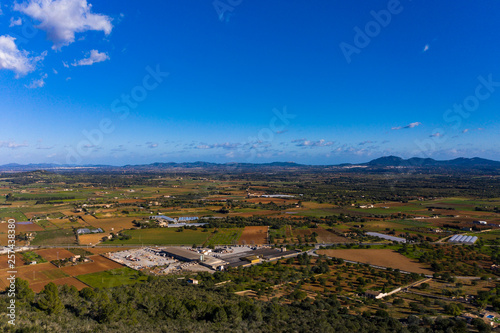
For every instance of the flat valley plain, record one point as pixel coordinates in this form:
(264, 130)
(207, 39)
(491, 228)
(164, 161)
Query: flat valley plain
(325, 214)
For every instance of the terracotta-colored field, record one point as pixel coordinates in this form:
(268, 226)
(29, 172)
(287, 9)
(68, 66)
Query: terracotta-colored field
(254, 236)
(4, 261)
(54, 254)
(117, 223)
(4, 227)
(278, 201)
(39, 273)
(37, 287)
(99, 264)
(131, 200)
(91, 239)
(378, 257)
(255, 213)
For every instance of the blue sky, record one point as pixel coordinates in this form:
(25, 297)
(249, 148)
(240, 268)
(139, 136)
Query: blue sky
(318, 82)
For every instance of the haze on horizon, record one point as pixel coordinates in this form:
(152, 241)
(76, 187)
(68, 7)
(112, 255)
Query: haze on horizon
(94, 82)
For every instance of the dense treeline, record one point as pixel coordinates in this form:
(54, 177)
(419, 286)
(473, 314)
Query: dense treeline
(167, 305)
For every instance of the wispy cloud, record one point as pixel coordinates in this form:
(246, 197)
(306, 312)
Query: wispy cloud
(308, 143)
(151, 145)
(436, 135)
(15, 22)
(411, 125)
(365, 142)
(37, 83)
(94, 57)
(12, 144)
(119, 148)
(225, 145)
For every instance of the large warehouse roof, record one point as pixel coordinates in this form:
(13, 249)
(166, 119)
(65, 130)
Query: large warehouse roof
(182, 253)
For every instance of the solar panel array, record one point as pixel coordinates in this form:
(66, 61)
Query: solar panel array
(463, 239)
(188, 218)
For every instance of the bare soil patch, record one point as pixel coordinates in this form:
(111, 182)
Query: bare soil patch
(54, 254)
(379, 257)
(254, 236)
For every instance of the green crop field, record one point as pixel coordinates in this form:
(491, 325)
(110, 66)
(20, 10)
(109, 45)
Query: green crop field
(54, 237)
(163, 236)
(10, 213)
(225, 237)
(113, 278)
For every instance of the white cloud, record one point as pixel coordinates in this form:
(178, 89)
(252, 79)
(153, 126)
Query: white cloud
(13, 22)
(37, 83)
(436, 135)
(411, 125)
(16, 60)
(225, 145)
(465, 130)
(61, 19)
(95, 56)
(65, 64)
(12, 144)
(307, 143)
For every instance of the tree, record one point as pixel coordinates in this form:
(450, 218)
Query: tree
(23, 291)
(49, 300)
(454, 309)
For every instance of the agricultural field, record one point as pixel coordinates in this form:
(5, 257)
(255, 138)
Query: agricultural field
(70, 281)
(55, 237)
(113, 278)
(111, 224)
(162, 236)
(54, 254)
(91, 239)
(228, 236)
(254, 236)
(39, 273)
(379, 257)
(98, 264)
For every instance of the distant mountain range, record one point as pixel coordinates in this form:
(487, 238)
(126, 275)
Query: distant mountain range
(386, 162)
